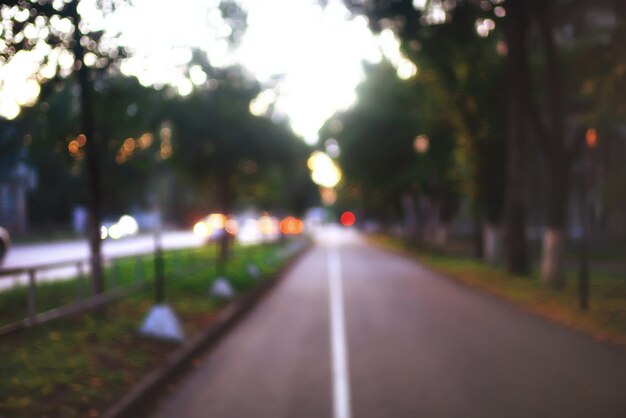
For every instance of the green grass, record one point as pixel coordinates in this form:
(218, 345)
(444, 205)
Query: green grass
(13, 302)
(605, 319)
(78, 366)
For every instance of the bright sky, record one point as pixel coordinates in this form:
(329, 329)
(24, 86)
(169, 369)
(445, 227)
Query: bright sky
(319, 53)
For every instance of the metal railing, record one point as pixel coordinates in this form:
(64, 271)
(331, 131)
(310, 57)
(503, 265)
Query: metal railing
(27, 280)
(30, 277)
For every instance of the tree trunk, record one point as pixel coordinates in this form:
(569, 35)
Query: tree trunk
(409, 211)
(225, 193)
(478, 236)
(491, 243)
(555, 237)
(517, 259)
(552, 257)
(92, 159)
(441, 236)
(423, 218)
(558, 156)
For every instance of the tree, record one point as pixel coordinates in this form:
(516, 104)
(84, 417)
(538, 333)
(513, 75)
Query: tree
(56, 32)
(383, 171)
(217, 141)
(461, 82)
(58, 25)
(50, 126)
(555, 115)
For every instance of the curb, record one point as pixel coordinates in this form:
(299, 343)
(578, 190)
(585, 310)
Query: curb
(181, 359)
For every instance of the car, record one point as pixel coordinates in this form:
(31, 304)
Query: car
(213, 226)
(124, 227)
(5, 243)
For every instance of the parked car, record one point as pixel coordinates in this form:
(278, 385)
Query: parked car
(5, 243)
(124, 227)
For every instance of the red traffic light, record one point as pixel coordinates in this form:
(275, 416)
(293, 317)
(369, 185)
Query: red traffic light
(348, 218)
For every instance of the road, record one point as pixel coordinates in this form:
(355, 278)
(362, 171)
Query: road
(28, 255)
(356, 331)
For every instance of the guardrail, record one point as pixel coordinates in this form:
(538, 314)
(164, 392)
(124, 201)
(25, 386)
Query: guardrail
(27, 279)
(66, 271)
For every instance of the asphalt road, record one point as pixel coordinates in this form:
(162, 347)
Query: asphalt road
(356, 331)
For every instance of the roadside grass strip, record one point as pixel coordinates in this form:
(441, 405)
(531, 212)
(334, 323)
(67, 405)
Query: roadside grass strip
(79, 365)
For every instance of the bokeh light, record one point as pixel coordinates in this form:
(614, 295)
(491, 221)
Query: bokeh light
(348, 219)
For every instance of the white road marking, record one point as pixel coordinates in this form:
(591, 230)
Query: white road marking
(341, 384)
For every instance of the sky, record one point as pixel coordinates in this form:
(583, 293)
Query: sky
(318, 54)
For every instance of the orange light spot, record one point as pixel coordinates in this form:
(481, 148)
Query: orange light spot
(231, 226)
(145, 140)
(291, 226)
(129, 145)
(348, 218)
(421, 144)
(82, 140)
(73, 147)
(592, 138)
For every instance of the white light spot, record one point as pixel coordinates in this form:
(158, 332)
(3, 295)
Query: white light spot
(9, 109)
(406, 69)
(260, 105)
(90, 59)
(324, 171)
(184, 87)
(196, 75)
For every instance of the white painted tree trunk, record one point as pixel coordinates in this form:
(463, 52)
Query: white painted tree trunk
(492, 242)
(441, 236)
(553, 257)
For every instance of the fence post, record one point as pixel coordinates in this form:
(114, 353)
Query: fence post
(32, 308)
(173, 263)
(114, 274)
(138, 270)
(159, 280)
(80, 280)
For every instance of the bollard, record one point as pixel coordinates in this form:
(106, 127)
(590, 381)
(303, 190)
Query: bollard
(159, 280)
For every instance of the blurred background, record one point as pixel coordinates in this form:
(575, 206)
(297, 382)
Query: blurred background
(491, 130)
(445, 121)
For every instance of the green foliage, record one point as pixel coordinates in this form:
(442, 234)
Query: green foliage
(377, 138)
(125, 109)
(230, 156)
(461, 93)
(74, 366)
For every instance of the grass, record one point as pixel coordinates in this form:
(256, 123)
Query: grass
(78, 366)
(604, 320)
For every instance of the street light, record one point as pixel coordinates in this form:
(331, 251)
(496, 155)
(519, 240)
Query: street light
(421, 144)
